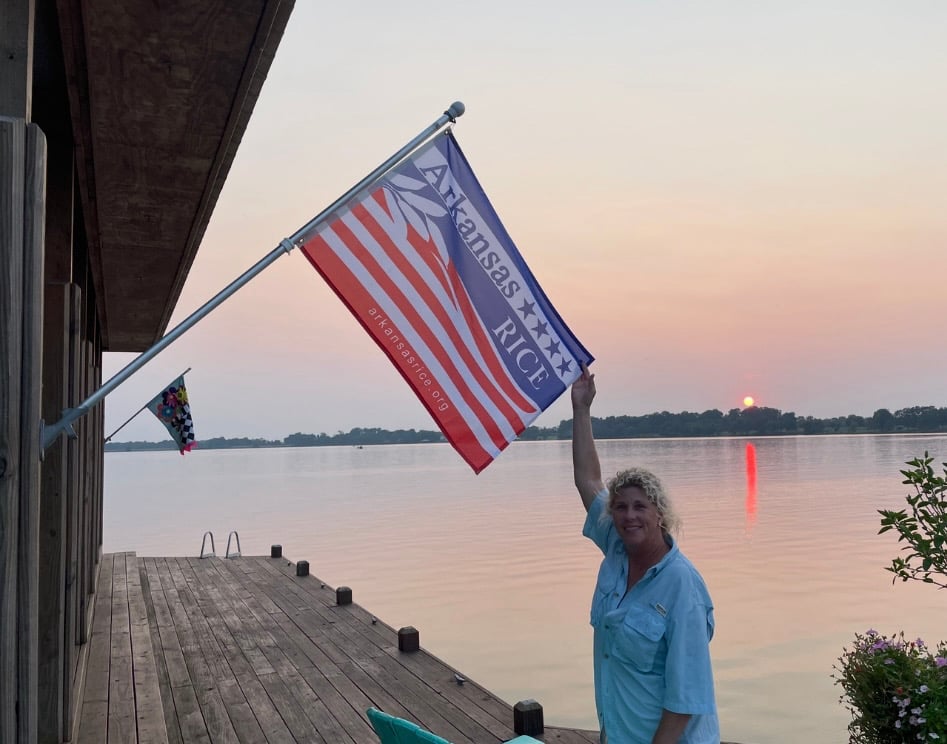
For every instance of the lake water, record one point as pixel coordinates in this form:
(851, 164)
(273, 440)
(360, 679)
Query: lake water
(494, 573)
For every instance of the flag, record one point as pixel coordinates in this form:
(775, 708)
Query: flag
(423, 262)
(173, 410)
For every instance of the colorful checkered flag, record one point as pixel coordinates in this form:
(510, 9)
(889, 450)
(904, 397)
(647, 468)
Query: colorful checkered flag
(173, 410)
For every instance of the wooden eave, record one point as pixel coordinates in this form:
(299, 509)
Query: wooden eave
(159, 96)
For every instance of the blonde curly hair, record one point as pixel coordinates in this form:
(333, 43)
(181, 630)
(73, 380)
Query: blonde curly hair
(653, 488)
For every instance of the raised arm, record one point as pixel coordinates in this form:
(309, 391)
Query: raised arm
(585, 464)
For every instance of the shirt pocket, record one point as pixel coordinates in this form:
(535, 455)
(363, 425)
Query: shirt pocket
(639, 638)
(609, 576)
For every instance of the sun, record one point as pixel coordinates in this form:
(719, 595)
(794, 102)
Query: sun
(748, 401)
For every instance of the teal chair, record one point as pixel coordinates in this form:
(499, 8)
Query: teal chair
(394, 730)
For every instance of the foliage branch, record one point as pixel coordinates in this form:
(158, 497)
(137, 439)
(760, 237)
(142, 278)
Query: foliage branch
(922, 527)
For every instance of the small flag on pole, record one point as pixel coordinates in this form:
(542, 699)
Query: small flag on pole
(173, 410)
(423, 262)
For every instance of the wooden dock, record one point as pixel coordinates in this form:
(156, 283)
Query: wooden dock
(243, 650)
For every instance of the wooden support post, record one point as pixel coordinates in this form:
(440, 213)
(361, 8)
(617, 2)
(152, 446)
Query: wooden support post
(276, 551)
(89, 449)
(98, 441)
(343, 595)
(71, 600)
(12, 158)
(22, 213)
(95, 454)
(30, 413)
(528, 718)
(83, 429)
(409, 639)
(302, 568)
(55, 642)
(53, 650)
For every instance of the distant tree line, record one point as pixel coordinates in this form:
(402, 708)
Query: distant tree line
(757, 421)
(753, 421)
(359, 436)
(355, 438)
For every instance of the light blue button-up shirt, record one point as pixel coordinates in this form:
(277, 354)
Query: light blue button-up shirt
(651, 647)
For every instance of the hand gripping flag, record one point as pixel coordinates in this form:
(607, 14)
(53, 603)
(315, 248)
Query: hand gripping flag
(173, 410)
(422, 261)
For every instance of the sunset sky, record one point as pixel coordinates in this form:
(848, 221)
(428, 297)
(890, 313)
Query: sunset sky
(726, 199)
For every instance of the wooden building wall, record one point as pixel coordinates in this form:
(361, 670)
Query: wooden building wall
(50, 508)
(60, 60)
(50, 359)
(22, 165)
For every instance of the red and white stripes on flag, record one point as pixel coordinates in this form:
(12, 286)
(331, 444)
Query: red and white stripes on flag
(423, 263)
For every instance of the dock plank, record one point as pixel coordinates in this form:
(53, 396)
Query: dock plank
(255, 644)
(476, 701)
(243, 660)
(156, 617)
(420, 676)
(93, 716)
(288, 659)
(327, 641)
(149, 711)
(179, 655)
(242, 651)
(122, 727)
(201, 657)
(282, 653)
(363, 667)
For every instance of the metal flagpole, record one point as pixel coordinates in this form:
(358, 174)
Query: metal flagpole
(49, 434)
(142, 408)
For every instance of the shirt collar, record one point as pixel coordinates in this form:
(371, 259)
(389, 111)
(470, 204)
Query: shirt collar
(659, 566)
(668, 557)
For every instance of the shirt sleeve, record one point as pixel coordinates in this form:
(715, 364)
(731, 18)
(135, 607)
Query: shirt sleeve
(596, 527)
(689, 679)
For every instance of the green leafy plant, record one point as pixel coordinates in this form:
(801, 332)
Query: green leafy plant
(895, 689)
(923, 528)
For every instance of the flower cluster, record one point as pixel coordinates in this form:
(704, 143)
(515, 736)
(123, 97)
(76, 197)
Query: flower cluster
(895, 689)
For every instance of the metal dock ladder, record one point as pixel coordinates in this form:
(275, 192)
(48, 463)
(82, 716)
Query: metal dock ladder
(235, 553)
(212, 552)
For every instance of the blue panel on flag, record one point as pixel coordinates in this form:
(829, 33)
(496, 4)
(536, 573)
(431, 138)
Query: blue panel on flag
(537, 347)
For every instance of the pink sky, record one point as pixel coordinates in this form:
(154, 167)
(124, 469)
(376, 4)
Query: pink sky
(719, 200)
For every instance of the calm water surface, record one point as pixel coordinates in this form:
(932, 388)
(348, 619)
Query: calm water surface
(493, 570)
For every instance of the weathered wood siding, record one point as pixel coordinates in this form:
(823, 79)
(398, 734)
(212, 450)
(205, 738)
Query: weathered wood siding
(22, 213)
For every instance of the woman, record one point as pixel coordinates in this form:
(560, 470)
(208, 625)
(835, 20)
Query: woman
(651, 612)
